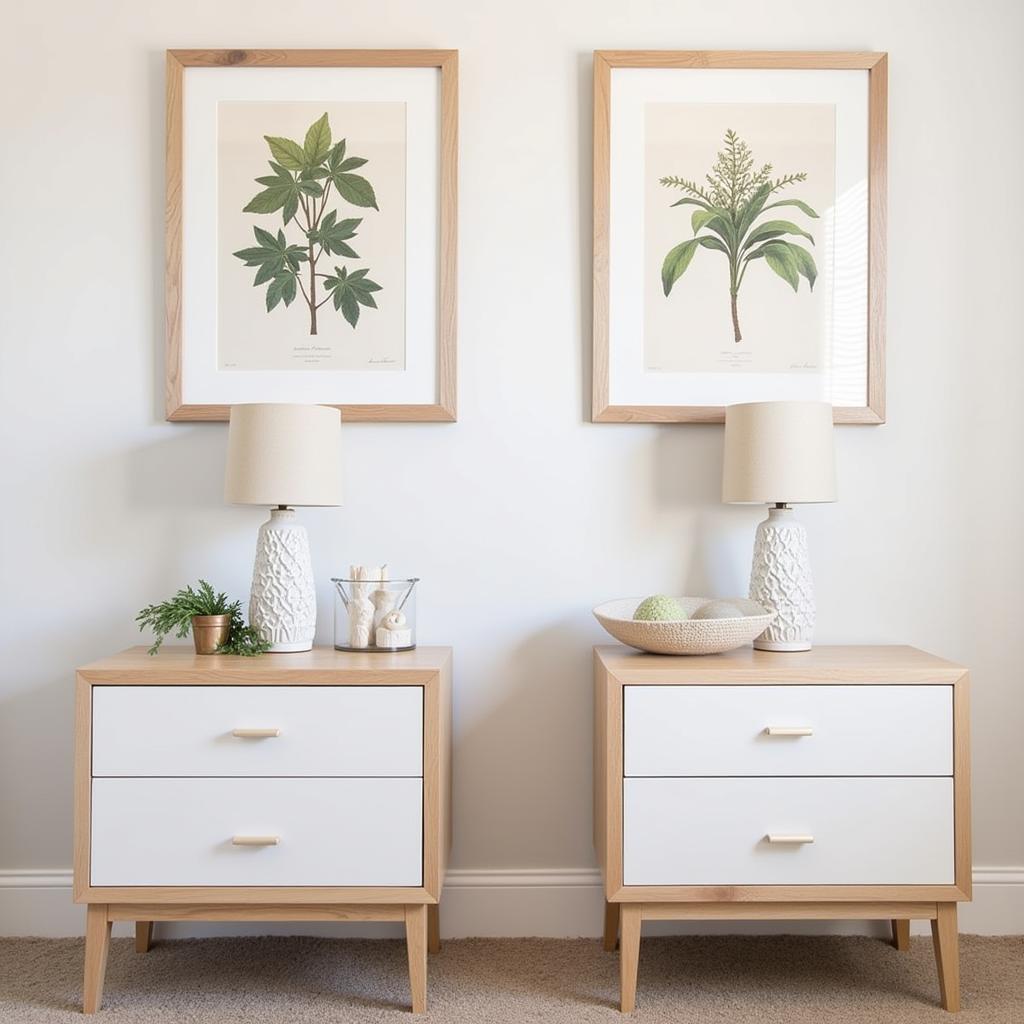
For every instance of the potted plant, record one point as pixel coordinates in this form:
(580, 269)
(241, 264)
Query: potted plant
(217, 626)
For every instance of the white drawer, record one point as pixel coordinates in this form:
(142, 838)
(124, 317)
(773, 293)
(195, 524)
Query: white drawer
(331, 832)
(324, 730)
(855, 730)
(714, 831)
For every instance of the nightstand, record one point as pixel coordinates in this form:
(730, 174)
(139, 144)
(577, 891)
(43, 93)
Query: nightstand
(757, 785)
(288, 787)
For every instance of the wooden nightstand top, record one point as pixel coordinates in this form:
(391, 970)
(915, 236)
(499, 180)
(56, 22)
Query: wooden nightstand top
(849, 664)
(178, 664)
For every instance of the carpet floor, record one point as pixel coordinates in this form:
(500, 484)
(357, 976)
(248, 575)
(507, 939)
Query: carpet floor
(734, 979)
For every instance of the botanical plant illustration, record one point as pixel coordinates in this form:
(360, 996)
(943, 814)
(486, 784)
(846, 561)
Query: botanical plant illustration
(729, 204)
(300, 189)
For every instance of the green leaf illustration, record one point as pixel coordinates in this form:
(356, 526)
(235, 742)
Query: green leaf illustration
(805, 264)
(289, 154)
(750, 210)
(350, 291)
(304, 181)
(690, 202)
(355, 189)
(269, 200)
(710, 242)
(782, 261)
(775, 229)
(676, 263)
(336, 155)
(274, 257)
(700, 219)
(722, 225)
(282, 287)
(281, 193)
(729, 201)
(318, 141)
(290, 208)
(334, 236)
(271, 268)
(803, 207)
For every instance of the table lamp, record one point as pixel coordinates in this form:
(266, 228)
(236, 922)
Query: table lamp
(780, 454)
(282, 456)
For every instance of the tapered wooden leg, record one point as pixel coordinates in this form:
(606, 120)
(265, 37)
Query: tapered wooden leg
(629, 954)
(433, 928)
(947, 955)
(611, 926)
(901, 935)
(416, 943)
(143, 936)
(97, 944)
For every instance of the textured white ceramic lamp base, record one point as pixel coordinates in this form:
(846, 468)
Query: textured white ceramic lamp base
(282, 604)
(780, 579)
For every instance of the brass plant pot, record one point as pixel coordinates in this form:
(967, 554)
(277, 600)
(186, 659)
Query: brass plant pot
(209, 632)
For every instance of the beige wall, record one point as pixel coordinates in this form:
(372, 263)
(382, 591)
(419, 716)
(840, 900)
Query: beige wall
(533, 514)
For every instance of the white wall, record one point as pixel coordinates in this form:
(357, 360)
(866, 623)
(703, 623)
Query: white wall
(522, 515)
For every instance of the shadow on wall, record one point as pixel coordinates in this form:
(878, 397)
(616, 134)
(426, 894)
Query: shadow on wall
(167, 498)
(183, 472)
(35, 765)
(687, 461)
(141, 520)
(176, 488)
(531, 739)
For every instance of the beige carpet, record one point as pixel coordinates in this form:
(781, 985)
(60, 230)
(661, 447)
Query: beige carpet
(797, 980)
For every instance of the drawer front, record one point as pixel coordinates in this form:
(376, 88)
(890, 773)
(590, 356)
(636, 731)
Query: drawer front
(854, 730)
(714, 831)
(181, 832)
(323, 730)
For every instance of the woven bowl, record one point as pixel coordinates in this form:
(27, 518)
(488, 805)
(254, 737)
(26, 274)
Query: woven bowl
(685, 636)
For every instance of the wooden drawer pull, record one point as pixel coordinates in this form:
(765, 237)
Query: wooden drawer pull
(255, 734)
(788, 730)
(784, 840)
(255, 840)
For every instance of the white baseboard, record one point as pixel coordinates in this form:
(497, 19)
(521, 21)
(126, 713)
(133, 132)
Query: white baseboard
(561, 903)
(998, 904)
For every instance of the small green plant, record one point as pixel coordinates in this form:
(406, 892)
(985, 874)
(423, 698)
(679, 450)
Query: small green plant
(175, 616)
(728, 204)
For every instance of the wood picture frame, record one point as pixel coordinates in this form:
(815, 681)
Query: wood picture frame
(441, 407)
(606, 408)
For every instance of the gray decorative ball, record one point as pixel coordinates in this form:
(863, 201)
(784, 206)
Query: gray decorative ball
(718, 610)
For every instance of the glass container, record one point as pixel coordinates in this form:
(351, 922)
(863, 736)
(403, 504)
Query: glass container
(374, 615)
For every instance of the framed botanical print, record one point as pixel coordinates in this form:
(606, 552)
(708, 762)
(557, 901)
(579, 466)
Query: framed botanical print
(311, 212)
(739, 233)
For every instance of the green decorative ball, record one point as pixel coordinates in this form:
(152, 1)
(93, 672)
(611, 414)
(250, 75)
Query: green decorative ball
(659, 609)
(718, 610)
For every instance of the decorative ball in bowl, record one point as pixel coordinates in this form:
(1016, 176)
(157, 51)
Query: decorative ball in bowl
(704, 625)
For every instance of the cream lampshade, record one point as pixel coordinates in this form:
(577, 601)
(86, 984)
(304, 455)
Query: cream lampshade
(283, 455)
(780, 454)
